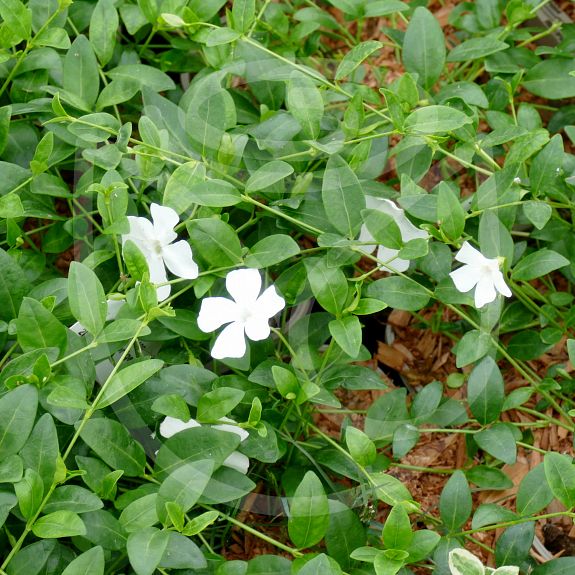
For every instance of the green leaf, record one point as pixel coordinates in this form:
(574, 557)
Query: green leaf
(435, 120)
(11, 469)
(217, 403)
(329, 285)
(383, 228)
(534, 493)
(512, 547)
(397, 532)
(216, 242)
(135, 260)
(128, 379)
(538, 213)
(389, 489)
(122, 330)
(143, 75)
(89, 563)
(87, 297)
(347, 334)
(29, 491)
(386, 414)
(343, 197)
(424, 47)
(11, 207)
(17, 415)
(560, 474)
(38, 328)
(102, 528)
(551, 79)
(309, 512)
(490, 514)
(41, 450)
(140, 514)
(268, 175)
(538, 264)
(561, 566)
(103, 29)
(344, 533)
(111, 441)
(17, 21)
(455, 502)
(450, 213)
(271, 250)
(73, 498)
(355, 57)
(146, 548)
(499, 442)
(472, 347)
(305, 103)
(399, 293)
(184, 486)
(80, 76)
(221, 36)
(360, 446)
(485, 391)
(476, 48)
(13, 287)
(187, 186)
(59, 524)
(243, 14)
(488, 477)
(545, 169)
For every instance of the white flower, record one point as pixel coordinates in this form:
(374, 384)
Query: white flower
(407, 229)
(154, 240)
(238, 461)
(248, 313)
(480, 273)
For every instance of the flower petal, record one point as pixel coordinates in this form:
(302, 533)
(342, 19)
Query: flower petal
(114, 307)
(215, 312)
(257, 328)
(500, 285)
(237, 461)
(165, 220)
(178, 259)
(141, 232)
(158, 276)
(233, 429)
(269, 303)
(244, 285)
(390, 255)
(407, 229)
(170, 426)
(484, 292)
(469, 255)
(231, 343)
(465, 278)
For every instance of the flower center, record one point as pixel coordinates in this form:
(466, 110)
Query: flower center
(156, 247)
(244, 314)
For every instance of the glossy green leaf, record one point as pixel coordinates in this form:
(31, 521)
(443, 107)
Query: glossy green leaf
(560, 474)
(103, 29)
(455, 503)
(128, 379)
(89, 563)
(435, 120)
(146, 548)
(538, 264)
(59, 524)
(309, 512)
(485, 391)
(355, 57)
(111, 441)
(424, 47)
(343, 197)
(87, 298)
(17, 415)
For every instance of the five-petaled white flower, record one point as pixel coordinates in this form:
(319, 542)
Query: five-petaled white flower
(236, 460)
(407, 229)
(154, 240)
(248, 313)
(480, 273)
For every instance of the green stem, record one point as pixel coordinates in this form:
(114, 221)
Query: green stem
(258, 534)
(517, 522)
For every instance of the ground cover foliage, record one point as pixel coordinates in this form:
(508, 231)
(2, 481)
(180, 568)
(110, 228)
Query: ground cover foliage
(242, 186)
